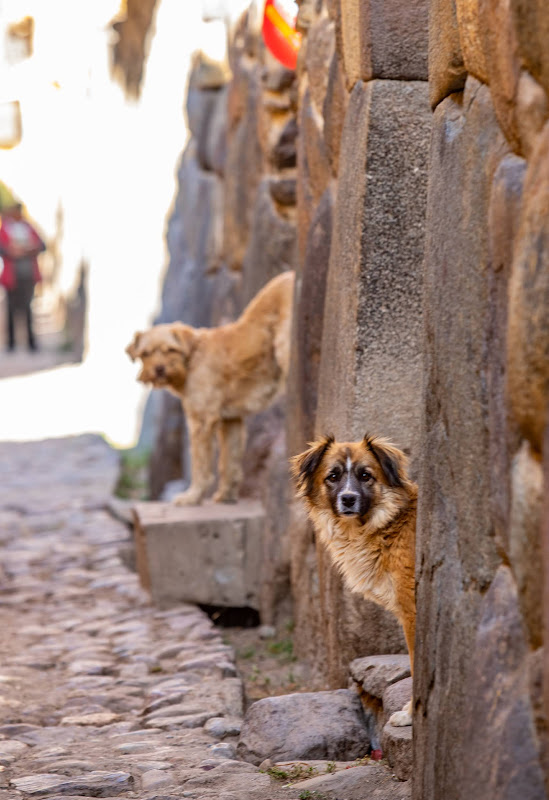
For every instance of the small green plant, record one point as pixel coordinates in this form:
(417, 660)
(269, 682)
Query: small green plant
(133, 478)
(247, 652)
(297, 772)
(284, 647)
(306, 794)
(331, 766)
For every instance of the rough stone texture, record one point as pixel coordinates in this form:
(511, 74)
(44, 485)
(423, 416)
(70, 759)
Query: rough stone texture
(374, 290)
(326, 725)
(528, 338)
(447, 71)
(470, 35)
(503, 213)
(355, 784)
(471, 656)
(335, 106)
(384, 39)
(501, 757)
(531, 20)
(396, 744)
(375, 673)
(209, 554)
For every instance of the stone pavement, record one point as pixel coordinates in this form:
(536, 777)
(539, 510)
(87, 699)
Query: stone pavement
(101, 693)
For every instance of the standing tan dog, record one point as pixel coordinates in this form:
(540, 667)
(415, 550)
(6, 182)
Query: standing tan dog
(221, 375)
(363, 506)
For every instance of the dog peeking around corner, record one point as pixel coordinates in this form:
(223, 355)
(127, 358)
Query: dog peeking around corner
(363, 507)
(221, 375)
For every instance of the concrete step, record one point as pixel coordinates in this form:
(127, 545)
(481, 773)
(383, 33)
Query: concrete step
(385, 686)
(209, 554)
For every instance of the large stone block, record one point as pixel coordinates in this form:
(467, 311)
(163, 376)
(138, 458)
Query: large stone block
(520, 102)
(207, 554)
(447, 71)
(500, 760)
(384, 39)
(312, 725)
(531, 19)
(503, 215)
(272, 245)
(528, 339)
(457, 553)
(370, 372)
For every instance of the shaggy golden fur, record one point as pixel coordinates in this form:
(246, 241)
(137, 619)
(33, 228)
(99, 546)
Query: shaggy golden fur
(363, 506)
(221, 375)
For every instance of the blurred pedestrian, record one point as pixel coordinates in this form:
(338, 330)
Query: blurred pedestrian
(20, 245)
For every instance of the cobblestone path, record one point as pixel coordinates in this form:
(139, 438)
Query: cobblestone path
(101, 694)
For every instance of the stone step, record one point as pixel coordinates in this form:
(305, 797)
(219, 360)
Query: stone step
(385, 686)
(209, 554)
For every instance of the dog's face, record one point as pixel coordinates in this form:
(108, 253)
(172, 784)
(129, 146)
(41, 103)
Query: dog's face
(164, 351)
(350, 480)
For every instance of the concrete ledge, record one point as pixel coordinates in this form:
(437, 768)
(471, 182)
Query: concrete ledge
(208, 554)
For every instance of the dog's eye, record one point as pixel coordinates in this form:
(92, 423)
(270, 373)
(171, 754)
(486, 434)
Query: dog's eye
(332, 477)
(364, 475)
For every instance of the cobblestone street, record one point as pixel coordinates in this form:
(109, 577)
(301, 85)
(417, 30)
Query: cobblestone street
(101, 694)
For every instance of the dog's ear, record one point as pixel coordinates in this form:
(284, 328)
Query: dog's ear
(133, 349)
(305, 465)
(184, 337)
(392, 461)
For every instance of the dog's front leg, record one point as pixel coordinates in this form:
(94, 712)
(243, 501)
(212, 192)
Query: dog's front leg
(402, 718)
(232, 438)
(201, 435)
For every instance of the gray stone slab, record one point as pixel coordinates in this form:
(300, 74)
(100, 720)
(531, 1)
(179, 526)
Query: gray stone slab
(207, 554)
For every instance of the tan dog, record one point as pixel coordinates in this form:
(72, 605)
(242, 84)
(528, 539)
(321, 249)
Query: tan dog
(221, 375)
(363, 506)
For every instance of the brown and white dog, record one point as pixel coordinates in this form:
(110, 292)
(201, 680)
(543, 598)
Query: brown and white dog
(221, 375)
(363, 507)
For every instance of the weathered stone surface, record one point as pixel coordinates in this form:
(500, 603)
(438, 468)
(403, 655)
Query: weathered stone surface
(503, 213)
(302, 393)
(525, 539)
(335, 106)
(470, 36)
(375, 673)
(272, 245)
(244, 162)
(220, 727)
(93, 784)
(204, 554)
(314, 160)
(320, 45)
(501, 756)
(531, 20)
(299, 726)
(396, 744)
(528, 338)
(395, 697)
(447, 71)
(357, 783)
(457, 552)
(384, 39)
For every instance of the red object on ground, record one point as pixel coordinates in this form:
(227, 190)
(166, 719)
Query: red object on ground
(279, 31)
(376, 755)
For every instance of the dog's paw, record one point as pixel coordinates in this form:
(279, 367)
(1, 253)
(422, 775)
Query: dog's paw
(400, 719)
(223, 496)
(191, 497)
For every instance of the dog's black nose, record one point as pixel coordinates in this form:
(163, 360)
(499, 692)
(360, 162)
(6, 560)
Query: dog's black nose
(160, 370)
(348, 500)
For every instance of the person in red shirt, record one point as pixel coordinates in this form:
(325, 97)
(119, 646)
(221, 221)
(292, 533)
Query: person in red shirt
(20, 245)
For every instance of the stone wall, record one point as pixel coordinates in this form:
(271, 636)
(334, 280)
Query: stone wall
(232, 229)
(364, 123)
(479, 727)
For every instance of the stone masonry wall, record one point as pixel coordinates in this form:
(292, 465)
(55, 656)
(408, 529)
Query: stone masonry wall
(479, 726)
(231, 230)
(364, 123)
